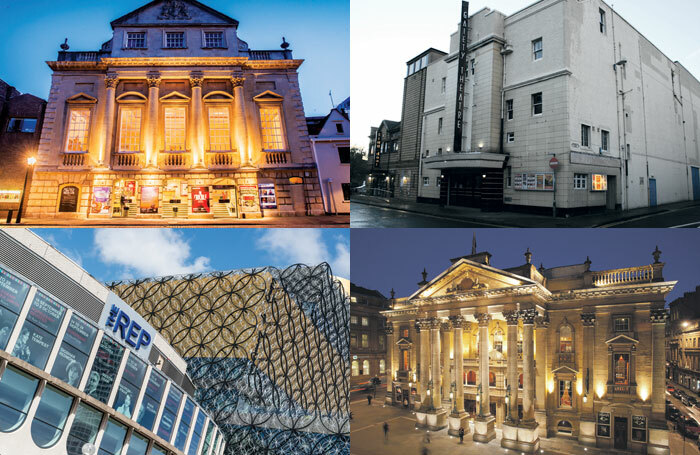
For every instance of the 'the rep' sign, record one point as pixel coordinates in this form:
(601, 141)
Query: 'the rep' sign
(125, 325)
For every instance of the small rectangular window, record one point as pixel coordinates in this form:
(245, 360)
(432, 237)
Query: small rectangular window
(78, 125)
(21, 125)
(365, 340)
(472, 65)
(440, 151)
(580, 181)
(509, 109)
(174, 40)
(443, 85)
(440, 125)
(509, 177)
(537, 48)
(602, 20)
(130, 130)
(339, 128)
(365, 322)
(219, 129)
(622, 324)
(174, 129)
(427, 153)
(271, 123)
(604, 140)
(346, 191)
(426, 181)
(353, 319)
(135, 40)
(213, 39)
(537, 104)
(511, 137)
(585, 136)
(344, 154)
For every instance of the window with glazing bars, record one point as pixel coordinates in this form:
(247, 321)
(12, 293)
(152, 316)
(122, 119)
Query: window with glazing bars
(130, 130)
(135, 40)
(78, 125)
(271, 124)
(174, 39)
(175, 129)
(219, 129)
(213, 39)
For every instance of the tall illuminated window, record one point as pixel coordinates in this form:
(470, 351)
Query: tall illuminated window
(219, 129)
(130, 130)
(271, 123)
(174, 129)
(78, 126)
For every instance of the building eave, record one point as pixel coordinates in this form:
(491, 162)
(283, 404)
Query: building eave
(149, 62)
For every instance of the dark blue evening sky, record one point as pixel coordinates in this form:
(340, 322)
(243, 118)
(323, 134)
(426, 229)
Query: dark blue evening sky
(318, 30)
(386, 258)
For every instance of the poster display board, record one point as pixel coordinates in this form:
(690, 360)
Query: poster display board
(39, 332)
(13, 292)
(74, 352)
(268, 198)
(100, 200)
(599, 182)
(249, 198)
(68, 199)
(10, 196)
(534, 181)
(200, 199)
(149, 199)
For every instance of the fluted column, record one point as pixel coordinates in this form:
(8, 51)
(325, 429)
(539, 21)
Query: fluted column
(446, 345)
(485, 405)
(458, 359)
(197, 120)
(150, 132)
(528, 365)
(658, 380)
(424, 326)
(240, 129)
(111, 81)
(588, 322)
(512, 364)
(435, 360)
(391, 361)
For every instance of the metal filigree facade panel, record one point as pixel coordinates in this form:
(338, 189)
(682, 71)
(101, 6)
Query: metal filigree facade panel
(267, 350)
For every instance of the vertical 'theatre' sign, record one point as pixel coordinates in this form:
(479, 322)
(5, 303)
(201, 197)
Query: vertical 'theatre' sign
(377, 149)
(461, 76)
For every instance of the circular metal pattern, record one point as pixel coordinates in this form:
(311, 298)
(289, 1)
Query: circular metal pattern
(267, 350)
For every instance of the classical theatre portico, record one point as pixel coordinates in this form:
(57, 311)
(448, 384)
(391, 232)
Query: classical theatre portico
(539, 353)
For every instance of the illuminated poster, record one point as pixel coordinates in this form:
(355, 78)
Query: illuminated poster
(128, 391)
(200, 199)
(38, 334)
(268, 199)
(130, 188)
(565, 392)
(104, 370)
(149, 199)
(75, 349)
(10, 196)
(100, 200)
(599, 182)
(13, 291)
(249, 196)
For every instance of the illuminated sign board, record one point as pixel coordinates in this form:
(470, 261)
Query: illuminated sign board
(125, 325)
(377, 148)
(599, 182)
(461, 76)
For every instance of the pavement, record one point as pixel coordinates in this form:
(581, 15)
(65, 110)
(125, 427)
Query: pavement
(373, 211)
(324, 221)
(367, 438)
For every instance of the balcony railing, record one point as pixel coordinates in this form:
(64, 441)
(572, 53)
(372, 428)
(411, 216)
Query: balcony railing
(128, 161)
(566, 358)
(174, 160)
(74, 160)
(269, 55)
(643, 274)
(64, 56)
(277, 158)
(222, 160)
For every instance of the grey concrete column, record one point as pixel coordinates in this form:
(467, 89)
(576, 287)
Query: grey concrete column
(458, 359)
(484, 407)
(111, 81)
(528, 365)
(240, 130)
(197, 120)
(151, 123)
(435, 361)
(512, 364)
(446, 345)
(424, 326)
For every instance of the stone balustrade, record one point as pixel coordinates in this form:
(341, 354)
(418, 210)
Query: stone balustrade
(616, 277)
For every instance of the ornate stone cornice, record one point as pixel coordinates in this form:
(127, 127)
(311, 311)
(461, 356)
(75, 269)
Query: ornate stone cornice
(196, 79)
(511, 316)
(111, 80)
(445, 326)
(528, 289)
(528, 316)
(153, 79)
(483, 319)
(542, 322)
(633, 289)
(458, 322)
(426, 323)
(588, 319)
(658, 315)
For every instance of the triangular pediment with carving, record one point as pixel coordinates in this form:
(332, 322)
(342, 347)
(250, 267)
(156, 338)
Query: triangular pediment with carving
(161, 12)
(468, 276)
(404, 342)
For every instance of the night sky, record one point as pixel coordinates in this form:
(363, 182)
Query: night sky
(318, 31)
(386, 258)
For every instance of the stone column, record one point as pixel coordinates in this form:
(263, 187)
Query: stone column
(424, 326)
(435, 361)
(150, 132)
(484, 423)
(391, 365)
(446, 345)
(458, 417)
(528, 438)
(658, 430)
(111, 81)
(587, 423)
(512, 365)
(197, 120)
(240, 131)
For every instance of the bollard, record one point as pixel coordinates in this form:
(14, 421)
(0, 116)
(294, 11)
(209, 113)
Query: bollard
(9, 217)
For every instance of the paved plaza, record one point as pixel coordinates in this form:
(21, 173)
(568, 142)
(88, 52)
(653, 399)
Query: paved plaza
(367, 438)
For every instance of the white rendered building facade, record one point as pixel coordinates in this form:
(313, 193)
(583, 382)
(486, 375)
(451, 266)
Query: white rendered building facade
(567, 80)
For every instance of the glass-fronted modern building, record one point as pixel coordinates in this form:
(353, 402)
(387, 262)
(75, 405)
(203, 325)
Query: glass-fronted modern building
(81, 373)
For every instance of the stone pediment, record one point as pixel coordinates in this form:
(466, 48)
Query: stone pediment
(564, 370)
(404, 342)
(175, 96)
(82, 98)
(185, 12)
(622, 339)
(269, 96)
(468, 276)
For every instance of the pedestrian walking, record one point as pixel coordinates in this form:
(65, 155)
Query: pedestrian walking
(426, 438)
(424, 451)
(386, 431)
(461, 435)
(369, 400)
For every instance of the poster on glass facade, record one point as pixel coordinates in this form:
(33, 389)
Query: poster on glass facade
(268, 199)
(534, 182)
(80, 334)
(46, 313)
(100, 200)
(33, 345)
(149, 199)
(13, 291)
(151, 400)
(104, 370)
(200, 199)
(639, 428)
(68, 366)
(126, 398)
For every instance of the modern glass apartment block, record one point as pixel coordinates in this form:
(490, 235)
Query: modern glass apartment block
(79, 367)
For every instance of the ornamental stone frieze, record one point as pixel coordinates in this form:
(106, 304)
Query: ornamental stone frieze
(237, 80)
(458, 322)
(445, 326)
(111, 80)
(588, 319)
(483, 319)
(511, 316)
(153, 79)
(528, 316)
(425, 323)
(196, 79)
(542, 322)
(658, 315)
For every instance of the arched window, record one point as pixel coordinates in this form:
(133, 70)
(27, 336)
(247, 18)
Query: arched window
(564, 426)
(471, 378)
(50, 417)
(565, 339)
(355, 368)
(492, 379)
(365, 367)
(16, 392)
(520, 381)
(382, 366)
(498, 340)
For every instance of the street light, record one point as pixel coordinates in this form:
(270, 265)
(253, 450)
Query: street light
(31, 161)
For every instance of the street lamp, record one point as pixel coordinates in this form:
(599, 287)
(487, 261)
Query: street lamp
(31, 161)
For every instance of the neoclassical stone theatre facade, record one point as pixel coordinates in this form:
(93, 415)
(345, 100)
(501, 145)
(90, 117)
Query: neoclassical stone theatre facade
(175, 117)
(540, 353)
